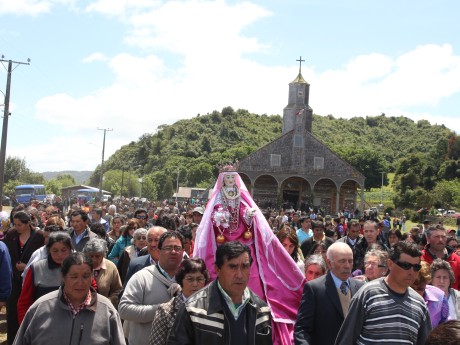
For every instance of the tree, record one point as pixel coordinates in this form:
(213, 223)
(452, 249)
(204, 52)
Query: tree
(15, 167)
(446, 194)
(368, 162)
(198, 173)
(53, 186)
(168, 189)
(66, 180)
(449, 169)
(206, 145)
(453, 147)
(415, 170)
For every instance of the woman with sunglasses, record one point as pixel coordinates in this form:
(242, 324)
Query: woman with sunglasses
(127, 232)
(442, 276)
(191, 276)
(139, 241)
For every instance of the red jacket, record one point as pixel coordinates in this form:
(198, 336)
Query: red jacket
(452, 258)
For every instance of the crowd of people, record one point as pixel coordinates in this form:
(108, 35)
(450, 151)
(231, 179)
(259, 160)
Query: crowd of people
(227, 273)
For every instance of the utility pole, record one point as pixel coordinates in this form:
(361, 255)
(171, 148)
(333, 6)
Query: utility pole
(6, 114)
(102, 162)
(381, 189)
(177, 183)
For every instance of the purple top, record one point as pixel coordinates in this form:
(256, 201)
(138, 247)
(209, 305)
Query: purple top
(437, 304)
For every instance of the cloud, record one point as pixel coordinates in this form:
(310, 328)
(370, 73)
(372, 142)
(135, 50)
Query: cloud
(25, 7)
(372, 84)
(32, 7)
(208, 66)
(121, 8)
(95, 57)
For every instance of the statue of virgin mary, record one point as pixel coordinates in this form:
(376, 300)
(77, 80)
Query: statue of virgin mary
(232, 215)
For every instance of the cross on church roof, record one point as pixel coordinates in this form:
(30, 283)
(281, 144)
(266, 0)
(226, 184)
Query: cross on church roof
(300, 62)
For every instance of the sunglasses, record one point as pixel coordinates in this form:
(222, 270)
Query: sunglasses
(407, 266)
(141, 217)
(143, 238)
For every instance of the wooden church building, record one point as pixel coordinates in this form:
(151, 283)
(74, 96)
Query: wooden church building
(297, 170)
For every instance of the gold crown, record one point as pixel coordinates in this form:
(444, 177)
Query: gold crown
(230, 167)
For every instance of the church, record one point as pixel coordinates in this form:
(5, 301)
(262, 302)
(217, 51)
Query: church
(297, 169)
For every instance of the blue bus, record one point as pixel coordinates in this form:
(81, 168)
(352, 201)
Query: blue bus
(87, 195)
(26, 192)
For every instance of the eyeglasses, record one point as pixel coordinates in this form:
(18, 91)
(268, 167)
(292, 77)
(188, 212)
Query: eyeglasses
(374, 264)
(143, 238)
(407, 266)
(199, 280)
(141, 217)
(170, 249)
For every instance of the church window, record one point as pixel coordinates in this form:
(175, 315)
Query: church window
(318, 163)
(298, 140)
(275, 160)
(300, 93)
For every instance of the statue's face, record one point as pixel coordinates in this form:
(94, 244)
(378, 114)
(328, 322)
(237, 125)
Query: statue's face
(229, 180)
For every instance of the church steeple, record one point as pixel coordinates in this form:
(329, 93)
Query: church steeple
(297, 114)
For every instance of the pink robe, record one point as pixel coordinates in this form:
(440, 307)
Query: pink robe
(274, 276)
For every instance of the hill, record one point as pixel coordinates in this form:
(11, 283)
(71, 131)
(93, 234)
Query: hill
(80, 176)
(187, 151)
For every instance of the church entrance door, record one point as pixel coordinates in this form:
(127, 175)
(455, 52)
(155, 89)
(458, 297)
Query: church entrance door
(291, 199)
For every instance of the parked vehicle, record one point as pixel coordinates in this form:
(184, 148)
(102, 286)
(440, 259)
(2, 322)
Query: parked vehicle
(6, 201)
(450, 213)
(26, 192)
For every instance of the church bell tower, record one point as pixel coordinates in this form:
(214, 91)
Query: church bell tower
(298, 115)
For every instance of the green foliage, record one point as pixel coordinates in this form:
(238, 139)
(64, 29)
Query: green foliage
(372, 144)
(446, 194)
(53, 186)
(16, 169)
(66, 180)
(168, 189)
(412, 215)
(369, 162)
(449, 169)
(453, 147)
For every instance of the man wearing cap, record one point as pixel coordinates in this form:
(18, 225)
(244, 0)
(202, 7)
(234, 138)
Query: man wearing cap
(197, 214)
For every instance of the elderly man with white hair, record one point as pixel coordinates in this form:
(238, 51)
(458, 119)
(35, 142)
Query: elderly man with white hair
(325, 300)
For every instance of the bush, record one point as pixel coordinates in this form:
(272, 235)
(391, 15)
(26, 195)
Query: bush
(412, 215)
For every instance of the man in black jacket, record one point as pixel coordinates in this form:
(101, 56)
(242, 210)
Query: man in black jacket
(226, 311)
(325, 300)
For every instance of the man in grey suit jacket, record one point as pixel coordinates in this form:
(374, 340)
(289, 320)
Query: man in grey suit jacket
(325, 300)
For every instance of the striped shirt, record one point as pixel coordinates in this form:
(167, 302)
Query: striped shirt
(378, 315)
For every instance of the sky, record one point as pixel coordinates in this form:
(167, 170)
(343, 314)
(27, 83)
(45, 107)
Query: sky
(132, 65)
